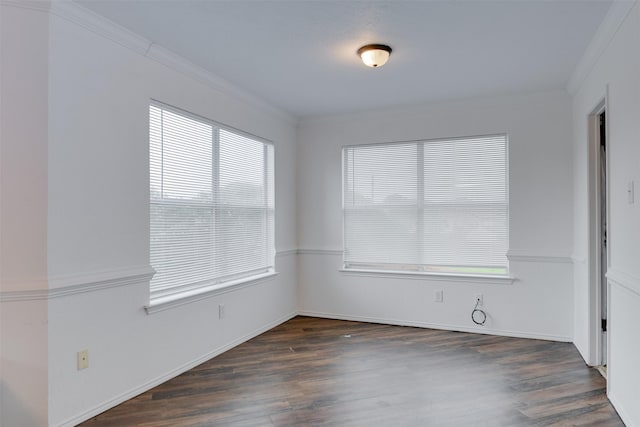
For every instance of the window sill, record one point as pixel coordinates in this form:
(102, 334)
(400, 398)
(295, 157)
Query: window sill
(447, 277)
(187, 297)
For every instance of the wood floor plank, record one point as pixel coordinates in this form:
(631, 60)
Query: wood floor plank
(323, 372)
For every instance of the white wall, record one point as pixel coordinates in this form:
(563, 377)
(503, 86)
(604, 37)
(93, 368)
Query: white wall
(23, 215)
(95, 96)
(74, 218)
(538, 304)
(618, 67)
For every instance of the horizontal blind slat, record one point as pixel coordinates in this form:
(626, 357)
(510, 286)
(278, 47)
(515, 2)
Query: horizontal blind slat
(427, 204)
(211, 202)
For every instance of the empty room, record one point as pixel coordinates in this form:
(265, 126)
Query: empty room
(345, 213)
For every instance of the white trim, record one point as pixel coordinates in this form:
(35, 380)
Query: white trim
(334, 252)
(625, 280)
(594, 247)
(286, 252)
(176, 62)
(102, 276)
(41, 6)
(619, 409)
(419, 275)
(102, 26)
(441, 326)
(182, 298)
(90, 282)
(430, 140)
(515, 255)
(26, 295)
(578, 259)
(73, 284)
(172, 374)
(616, 15)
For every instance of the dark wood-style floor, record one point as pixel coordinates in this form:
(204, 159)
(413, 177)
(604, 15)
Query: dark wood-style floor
(311, 371)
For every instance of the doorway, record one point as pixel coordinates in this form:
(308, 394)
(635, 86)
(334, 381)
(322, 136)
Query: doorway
(602, 259)
(599, 236)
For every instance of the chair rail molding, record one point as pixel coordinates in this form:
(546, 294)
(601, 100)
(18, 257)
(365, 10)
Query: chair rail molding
(72, 284)
(313, 251)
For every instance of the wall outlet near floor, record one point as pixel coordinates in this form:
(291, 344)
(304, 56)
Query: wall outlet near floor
(479, 299)
(437, 295)
(83, 359)
(220, 311)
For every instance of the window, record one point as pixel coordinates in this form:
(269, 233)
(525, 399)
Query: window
(211, 203)
(438, 206)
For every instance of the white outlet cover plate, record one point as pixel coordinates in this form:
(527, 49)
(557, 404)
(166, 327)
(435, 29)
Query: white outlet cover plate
(83, 359)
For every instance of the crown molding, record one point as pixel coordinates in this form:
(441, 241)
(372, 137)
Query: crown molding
(26, 295)
(176, 62)
(614, 18)
(39, 5)
(101, 26)
(24, 288)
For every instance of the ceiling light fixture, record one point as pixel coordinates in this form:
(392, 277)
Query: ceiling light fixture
(374, 55)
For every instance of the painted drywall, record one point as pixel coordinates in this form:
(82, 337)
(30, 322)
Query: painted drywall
(23, 215)
(616, 72)
(96, 223)
(99, 216)
(92, 84)
(538, 304)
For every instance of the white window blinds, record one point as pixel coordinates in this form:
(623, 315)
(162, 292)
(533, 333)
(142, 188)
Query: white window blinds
(211, 203)
(434, 206)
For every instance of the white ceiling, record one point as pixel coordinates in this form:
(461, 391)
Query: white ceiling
(300, 56)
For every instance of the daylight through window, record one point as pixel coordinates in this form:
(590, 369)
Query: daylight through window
(438, 206)
(211, 203)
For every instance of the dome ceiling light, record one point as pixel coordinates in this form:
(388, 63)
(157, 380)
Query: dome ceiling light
(374, 55)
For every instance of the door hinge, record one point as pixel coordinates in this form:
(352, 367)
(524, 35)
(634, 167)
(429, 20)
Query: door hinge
(603, 323)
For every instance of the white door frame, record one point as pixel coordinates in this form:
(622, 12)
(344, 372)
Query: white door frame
(594, 254)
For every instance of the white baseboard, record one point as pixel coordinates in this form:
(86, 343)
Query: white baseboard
(171, 374)
(441, 326)
(192, 364)
(616, 405)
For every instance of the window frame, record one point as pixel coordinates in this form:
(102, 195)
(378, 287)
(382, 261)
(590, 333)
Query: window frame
(162, 299)
(418, 271)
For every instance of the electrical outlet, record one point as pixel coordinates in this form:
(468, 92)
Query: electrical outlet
(221, 311)
(83, 359)
(479, 299)
(437, 295)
